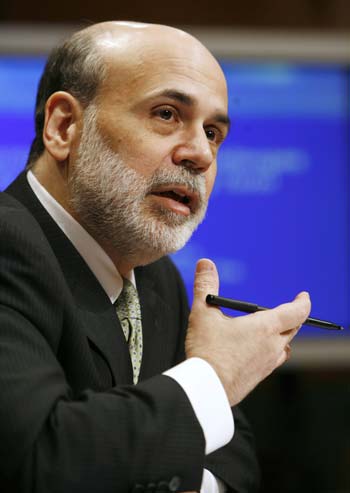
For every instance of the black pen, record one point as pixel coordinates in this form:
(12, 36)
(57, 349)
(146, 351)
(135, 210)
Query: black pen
(243, 306)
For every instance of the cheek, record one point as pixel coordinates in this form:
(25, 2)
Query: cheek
(210, 179)
(142, 155)
(131, 143)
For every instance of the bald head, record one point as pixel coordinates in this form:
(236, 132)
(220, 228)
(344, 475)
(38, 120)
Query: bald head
(129, 51)
(123, 40)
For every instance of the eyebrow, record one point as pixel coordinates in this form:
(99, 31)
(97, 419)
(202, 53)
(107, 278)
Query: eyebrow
(188, 100)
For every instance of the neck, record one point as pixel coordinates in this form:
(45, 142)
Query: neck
(53, 176)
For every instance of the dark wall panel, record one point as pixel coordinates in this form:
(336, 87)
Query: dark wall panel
(318, 14)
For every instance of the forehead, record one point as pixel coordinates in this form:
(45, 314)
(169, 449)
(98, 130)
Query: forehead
(152, 69)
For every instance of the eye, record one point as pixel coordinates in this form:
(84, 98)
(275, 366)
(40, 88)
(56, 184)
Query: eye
(167, 114)
(214, 135)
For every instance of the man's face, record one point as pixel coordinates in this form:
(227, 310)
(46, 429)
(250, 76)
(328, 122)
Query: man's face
(147, 159)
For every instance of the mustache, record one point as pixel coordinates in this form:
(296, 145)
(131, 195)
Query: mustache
(179, 177)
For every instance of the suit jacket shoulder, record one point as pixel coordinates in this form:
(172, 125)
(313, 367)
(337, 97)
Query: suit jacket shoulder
(69, 420)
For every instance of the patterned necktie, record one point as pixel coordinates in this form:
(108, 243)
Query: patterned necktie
(129, 313)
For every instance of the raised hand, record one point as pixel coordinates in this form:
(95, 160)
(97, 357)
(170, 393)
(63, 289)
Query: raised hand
(242, 350)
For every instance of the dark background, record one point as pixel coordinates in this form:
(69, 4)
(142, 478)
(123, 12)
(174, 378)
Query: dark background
(315, 14)
(301, 414)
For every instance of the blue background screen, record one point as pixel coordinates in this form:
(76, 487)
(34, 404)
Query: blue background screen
(278, 218)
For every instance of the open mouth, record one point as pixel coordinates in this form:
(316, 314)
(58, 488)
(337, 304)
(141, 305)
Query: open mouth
(183, 199)
(178, 198)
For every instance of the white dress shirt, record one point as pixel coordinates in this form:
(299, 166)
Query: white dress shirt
(198, 379)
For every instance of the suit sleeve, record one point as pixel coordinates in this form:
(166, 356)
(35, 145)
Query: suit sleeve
(236, 463)
(55, 440)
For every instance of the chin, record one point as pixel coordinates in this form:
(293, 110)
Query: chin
(155, 246)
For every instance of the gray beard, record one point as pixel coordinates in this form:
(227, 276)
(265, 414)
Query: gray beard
(110, 200)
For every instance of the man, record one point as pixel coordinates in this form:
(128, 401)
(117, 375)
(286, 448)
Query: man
(95, 395)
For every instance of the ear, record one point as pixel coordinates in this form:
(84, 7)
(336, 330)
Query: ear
(63, 123)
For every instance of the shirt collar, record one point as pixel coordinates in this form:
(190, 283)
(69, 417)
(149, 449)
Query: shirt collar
(96, 258)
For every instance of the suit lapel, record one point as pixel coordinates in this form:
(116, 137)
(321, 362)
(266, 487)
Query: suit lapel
(105, 334)
(97, 315)
(158, 336)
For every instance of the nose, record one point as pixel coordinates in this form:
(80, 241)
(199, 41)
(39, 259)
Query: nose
(194, 151)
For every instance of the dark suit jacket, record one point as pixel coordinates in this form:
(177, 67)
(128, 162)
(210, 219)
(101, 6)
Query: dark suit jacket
(70, 418)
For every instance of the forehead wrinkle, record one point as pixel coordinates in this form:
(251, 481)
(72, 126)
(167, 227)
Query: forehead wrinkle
(203, 70)
(177, 95)
(178, 82)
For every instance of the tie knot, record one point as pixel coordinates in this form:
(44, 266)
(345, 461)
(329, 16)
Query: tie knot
(128, 305)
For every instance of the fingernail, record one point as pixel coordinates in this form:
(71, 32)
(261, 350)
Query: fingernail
(204, 265)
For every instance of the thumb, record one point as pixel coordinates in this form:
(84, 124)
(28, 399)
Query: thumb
(206, 280)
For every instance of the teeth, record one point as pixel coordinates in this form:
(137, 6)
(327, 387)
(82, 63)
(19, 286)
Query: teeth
(177, 195)
(182, 197)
